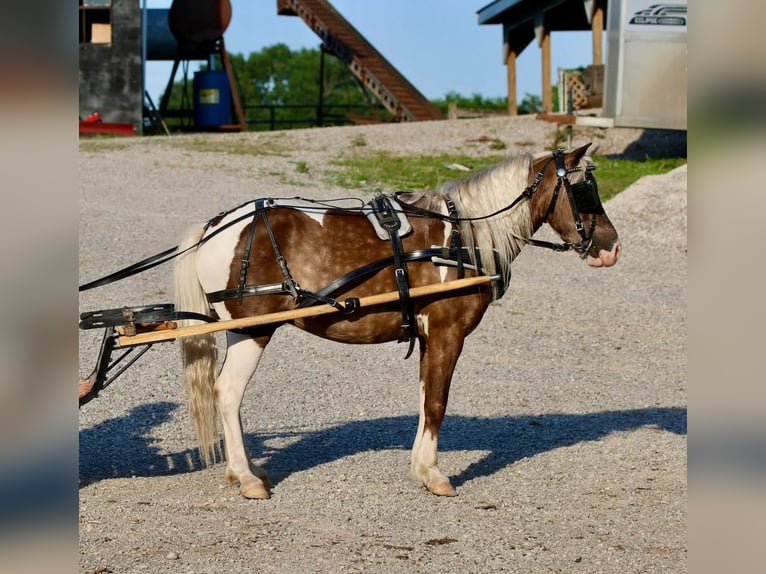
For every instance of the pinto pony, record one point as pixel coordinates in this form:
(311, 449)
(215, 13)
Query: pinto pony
(275, 255)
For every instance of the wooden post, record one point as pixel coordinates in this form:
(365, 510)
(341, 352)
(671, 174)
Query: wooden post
(235, 100)
(320, 105)
(545, 45)
(597, 26)
(510, 62)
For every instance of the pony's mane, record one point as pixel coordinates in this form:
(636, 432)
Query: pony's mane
(486, 192)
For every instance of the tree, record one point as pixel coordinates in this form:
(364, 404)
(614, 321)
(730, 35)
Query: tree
(531, 104)
(280, 86)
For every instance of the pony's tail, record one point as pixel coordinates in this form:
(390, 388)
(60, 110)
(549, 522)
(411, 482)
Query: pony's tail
(199, 353)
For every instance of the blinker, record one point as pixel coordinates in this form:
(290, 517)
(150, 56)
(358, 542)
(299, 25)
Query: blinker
(586, 196)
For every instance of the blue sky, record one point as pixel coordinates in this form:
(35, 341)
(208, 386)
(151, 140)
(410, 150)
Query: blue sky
(437, 44)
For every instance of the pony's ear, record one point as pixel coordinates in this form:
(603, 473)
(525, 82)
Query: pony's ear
(577, 154)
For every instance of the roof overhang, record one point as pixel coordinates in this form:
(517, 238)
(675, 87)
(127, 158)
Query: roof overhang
(557, 15)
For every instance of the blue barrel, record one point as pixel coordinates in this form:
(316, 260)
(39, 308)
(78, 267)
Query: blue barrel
(212, 99)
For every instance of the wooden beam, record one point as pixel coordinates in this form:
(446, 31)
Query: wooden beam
(545, 46)
(510, 62)
(295, 314)
(597, 27)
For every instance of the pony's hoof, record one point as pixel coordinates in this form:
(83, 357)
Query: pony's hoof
(254, 490)
(262, 476)
(441, 488)
(266, 482)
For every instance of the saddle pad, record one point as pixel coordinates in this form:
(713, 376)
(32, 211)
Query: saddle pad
(404, 228)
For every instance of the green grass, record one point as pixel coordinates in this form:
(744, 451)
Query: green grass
(614, 175)
(386, 171)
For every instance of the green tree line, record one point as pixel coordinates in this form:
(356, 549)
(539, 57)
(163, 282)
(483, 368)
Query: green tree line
(280, 87)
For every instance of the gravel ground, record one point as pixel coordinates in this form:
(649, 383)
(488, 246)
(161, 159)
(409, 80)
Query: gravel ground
(566, 428)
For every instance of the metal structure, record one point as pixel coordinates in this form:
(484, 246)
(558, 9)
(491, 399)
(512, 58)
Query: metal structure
(197, 29)
(367, 65)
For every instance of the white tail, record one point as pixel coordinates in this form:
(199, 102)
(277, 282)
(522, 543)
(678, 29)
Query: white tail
(199, 353)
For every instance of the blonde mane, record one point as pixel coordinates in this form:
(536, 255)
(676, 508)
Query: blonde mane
(487, 192)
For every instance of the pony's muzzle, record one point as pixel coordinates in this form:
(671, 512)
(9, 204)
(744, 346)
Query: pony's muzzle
(606, 258)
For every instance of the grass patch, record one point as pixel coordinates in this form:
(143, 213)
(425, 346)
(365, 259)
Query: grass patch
(359, 141)
(386, 171)
(614, 175)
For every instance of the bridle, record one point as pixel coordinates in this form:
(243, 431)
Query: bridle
(583, 199)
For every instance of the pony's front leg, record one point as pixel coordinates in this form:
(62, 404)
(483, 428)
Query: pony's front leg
(242, 356)
(438, 357)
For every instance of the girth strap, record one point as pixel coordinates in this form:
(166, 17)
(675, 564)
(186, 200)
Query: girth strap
(389, 221)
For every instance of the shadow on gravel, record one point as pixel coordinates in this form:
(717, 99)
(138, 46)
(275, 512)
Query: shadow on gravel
(121, 447)
(654, 143)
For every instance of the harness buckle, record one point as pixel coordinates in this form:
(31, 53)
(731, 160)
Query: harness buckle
(351, 304)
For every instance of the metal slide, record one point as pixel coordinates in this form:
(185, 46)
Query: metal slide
(368, 65)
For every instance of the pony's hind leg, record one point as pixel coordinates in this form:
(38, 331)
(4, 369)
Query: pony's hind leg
(242, 357)
(437, 363)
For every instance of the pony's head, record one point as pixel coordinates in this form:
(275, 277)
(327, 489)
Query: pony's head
(566, 198)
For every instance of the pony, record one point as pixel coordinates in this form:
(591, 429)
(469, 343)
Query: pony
(273, 255)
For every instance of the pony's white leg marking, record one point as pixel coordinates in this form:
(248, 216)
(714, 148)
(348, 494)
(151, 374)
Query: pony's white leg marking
(443, 269)
(419, 434)
(242, 357)
(424, 466)
(422, 322)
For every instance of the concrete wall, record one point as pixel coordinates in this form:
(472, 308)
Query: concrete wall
(110, 74)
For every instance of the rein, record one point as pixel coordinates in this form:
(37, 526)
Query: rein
(134, 269)
(589, 204)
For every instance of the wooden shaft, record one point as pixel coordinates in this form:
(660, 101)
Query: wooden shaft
(293, 314)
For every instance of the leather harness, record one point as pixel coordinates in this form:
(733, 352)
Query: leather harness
(389, 219)
(582, 196)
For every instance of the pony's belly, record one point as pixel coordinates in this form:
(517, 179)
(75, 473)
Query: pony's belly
(369, 328)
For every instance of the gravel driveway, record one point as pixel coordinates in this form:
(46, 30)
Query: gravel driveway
(566, 428)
